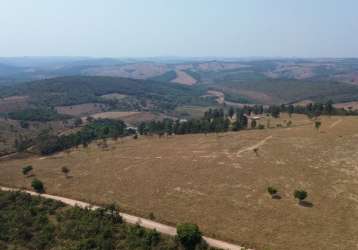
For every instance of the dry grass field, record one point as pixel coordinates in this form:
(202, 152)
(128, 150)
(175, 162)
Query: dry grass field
(218, 182)
(131, 118)
(13, 103)
(184, 78)
(81, 109)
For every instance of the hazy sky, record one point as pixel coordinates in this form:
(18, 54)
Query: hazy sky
(142, 28)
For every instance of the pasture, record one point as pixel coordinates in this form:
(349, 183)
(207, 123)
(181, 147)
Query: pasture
(219, 181)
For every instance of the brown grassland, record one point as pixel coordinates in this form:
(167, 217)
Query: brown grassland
(130, 117)
(81, 109)
(219, 182)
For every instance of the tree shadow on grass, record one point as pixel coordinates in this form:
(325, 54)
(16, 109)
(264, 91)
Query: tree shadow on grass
(306, 204)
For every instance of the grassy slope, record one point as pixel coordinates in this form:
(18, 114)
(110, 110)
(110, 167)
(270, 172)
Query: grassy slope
(218, 182)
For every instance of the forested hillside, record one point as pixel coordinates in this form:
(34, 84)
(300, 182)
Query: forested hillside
(77, 90)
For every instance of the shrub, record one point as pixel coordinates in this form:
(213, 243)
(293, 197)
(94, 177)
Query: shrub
(272, 191)
(300, 195)
(317, 124)
(65, 170)
(189, 235)
(26, 169)
(38, 186)
(261, 126)
(151, 216)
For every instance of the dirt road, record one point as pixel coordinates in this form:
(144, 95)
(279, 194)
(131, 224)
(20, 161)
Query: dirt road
(164, 229)
(257, 145)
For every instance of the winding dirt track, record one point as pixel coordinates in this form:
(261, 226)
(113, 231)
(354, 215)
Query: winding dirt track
(131, 219)
(259, 144)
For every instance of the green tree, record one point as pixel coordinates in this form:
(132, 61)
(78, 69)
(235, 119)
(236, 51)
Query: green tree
(27, 169)
(300, 195)
(290, 110)
(38, 186)
(328, 108)
(189, 235)
(272, 191)
(65, 170)
(317, 124)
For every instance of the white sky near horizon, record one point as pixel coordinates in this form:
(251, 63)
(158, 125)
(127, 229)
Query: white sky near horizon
(146, 28)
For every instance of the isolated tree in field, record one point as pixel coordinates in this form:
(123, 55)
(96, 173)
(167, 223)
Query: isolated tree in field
(256, 151)
(27, 169)
(317, 124)
(290, 110)
(272, 191)
(189, 235)
(38, 186)
(65, 170)
(300, 195)
(328, 108)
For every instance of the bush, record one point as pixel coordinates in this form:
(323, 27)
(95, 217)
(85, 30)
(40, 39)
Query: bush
(261, 126)
(300, 195)
(188, 235)
(38, 186)
(272, 191)
(26, 169)
(65, 170)
(317, 124)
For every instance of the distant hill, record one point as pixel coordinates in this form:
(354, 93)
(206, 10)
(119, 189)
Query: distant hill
(145, 94)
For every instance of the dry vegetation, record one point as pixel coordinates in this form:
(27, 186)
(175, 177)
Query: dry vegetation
(219, 182)
(184, 78)
(131, 118)
(10, 130)
(13, 103)
(81, 109)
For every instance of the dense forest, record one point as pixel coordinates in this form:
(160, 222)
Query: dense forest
(34, 223)
(37, 114)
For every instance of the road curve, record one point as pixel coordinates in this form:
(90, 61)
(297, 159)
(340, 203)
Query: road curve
(131, 219)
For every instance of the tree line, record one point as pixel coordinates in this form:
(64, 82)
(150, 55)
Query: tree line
(97, 129)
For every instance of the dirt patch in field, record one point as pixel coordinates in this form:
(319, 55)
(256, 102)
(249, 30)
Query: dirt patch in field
(184, 78)
(202, 179)
(131, 118)
(13, 103)
(114, 96)
(135, 70)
